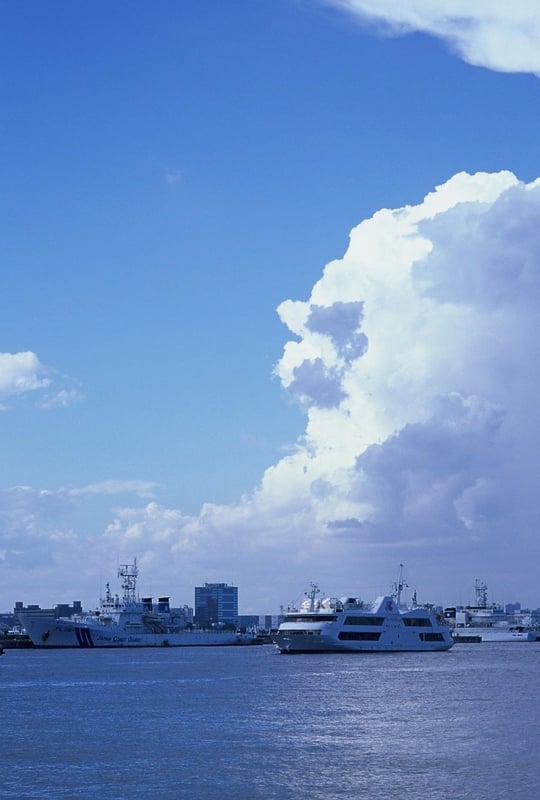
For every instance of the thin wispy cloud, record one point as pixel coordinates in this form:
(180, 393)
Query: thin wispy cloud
(173, 176)
(61, 398)
(116, 487)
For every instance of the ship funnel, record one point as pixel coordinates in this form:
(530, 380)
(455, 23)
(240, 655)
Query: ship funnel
(163, 605)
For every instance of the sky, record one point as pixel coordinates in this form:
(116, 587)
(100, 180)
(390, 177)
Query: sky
(270, 298)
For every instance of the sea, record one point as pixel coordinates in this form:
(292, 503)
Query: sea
(246, 723)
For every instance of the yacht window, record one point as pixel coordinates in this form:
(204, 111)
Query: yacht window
(364, 636)
(364, 621)
(417, 622)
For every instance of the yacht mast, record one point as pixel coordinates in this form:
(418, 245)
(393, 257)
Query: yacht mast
(314, 591)
(399, 586)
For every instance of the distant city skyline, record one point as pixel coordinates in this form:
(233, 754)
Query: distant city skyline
(226, 597)
(270, 298)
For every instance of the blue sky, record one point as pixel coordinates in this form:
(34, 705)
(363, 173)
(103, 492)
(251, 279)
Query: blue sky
(171, 174)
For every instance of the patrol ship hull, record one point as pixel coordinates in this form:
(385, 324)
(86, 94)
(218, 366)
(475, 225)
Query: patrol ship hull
(51, 632)
(495, 634)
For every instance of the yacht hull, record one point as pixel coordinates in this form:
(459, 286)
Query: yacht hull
(288, 646)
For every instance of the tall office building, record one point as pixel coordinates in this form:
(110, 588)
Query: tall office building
(216, 603)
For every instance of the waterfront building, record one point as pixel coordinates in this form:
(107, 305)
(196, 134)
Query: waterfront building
(271, 622)
(216, 604)
(247, 621)
(60, 610)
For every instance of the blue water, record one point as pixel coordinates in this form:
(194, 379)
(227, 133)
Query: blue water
(248, 723)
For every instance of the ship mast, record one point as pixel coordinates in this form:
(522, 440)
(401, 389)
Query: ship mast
(314, 591)
(128, 573)
(399, 586)
(480, 590)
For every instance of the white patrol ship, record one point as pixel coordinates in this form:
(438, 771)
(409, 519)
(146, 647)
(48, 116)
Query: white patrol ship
(126, 621)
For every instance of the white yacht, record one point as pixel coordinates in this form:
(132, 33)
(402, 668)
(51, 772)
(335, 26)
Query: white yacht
(350, 625)
(126, 621)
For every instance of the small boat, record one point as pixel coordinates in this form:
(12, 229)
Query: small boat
(350, 625)
(15, 638)
(126, 621)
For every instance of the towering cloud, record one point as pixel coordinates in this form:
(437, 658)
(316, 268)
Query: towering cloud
(425, 434)
(498, 35)
(415, 361)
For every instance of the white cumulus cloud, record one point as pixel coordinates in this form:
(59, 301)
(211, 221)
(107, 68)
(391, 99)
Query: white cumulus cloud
(428, 438)
(22, 373)
(415, 361)
(502, 36)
